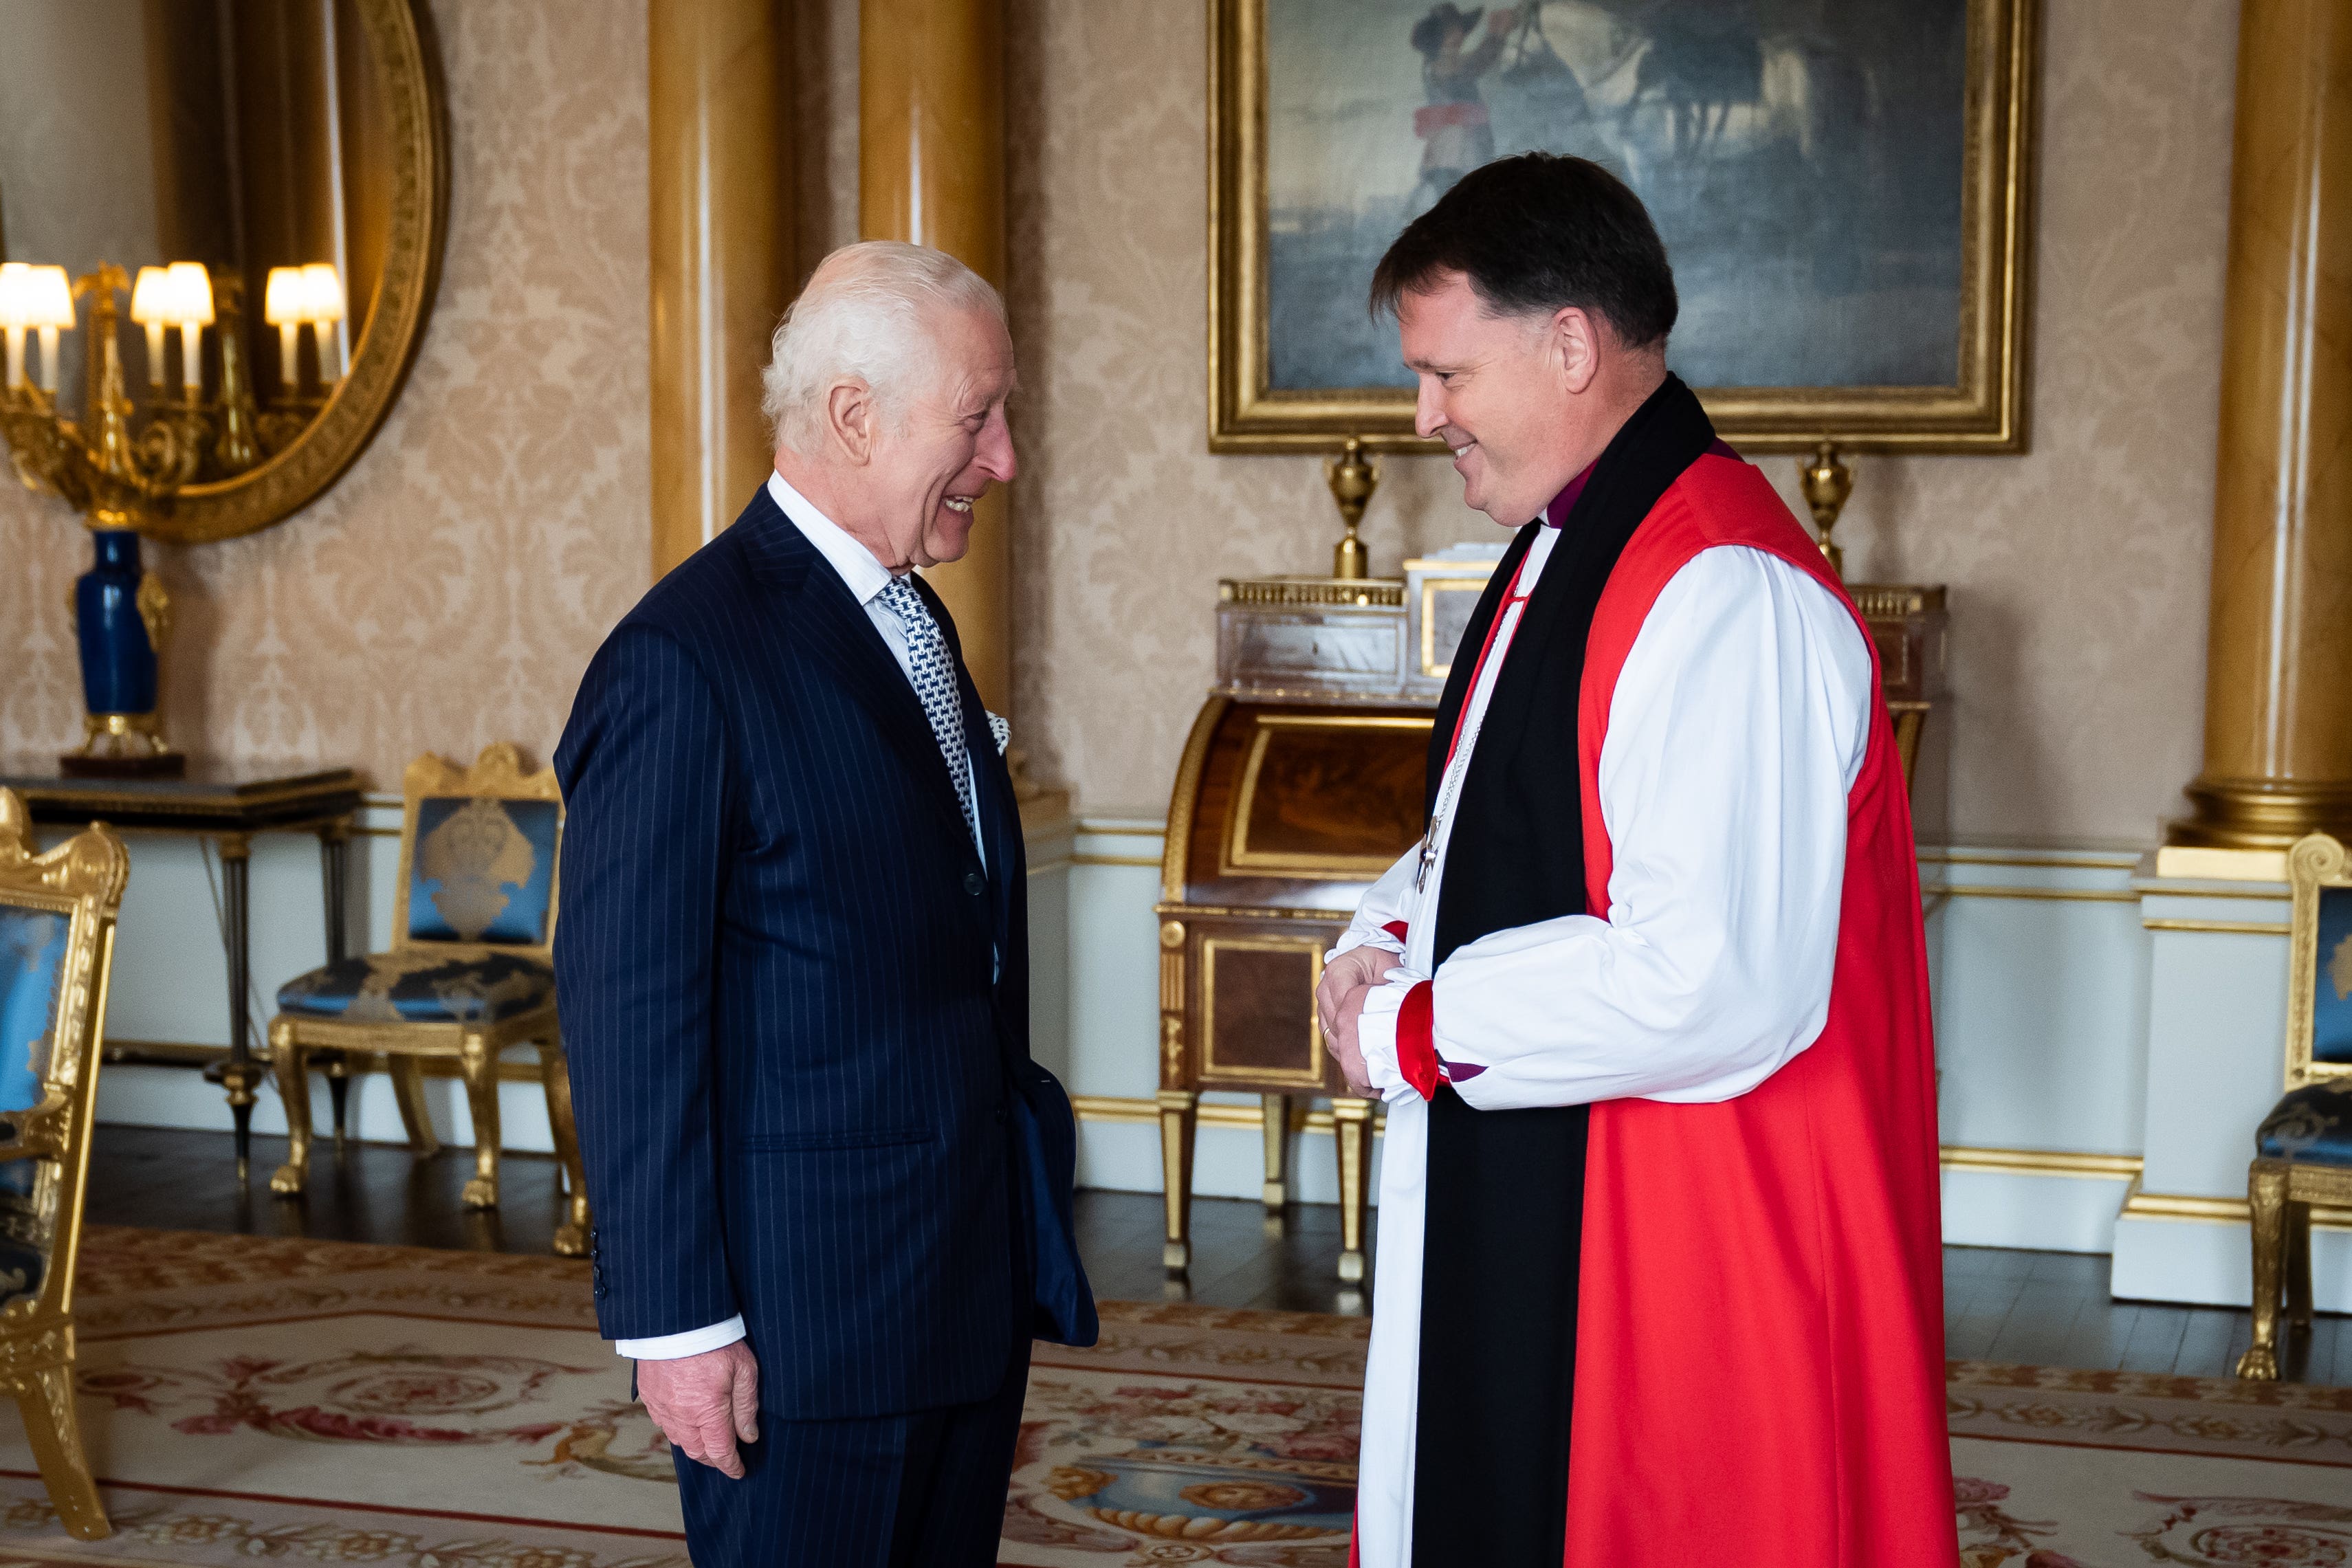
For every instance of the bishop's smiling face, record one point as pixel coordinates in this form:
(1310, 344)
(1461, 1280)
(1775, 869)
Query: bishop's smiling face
(1497, 389)
(937, 453)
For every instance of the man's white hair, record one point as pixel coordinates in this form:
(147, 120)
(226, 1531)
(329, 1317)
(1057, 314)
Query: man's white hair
(864, 316)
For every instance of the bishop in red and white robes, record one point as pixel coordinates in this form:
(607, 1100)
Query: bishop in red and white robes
(1658, 1238)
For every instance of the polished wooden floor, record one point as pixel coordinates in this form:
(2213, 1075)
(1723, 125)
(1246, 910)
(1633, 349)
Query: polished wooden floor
(2043, 1309)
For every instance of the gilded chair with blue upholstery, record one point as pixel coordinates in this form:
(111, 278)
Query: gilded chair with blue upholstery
(2302, 1152)
(468, 974)
(56, 954)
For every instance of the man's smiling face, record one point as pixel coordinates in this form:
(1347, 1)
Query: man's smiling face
(1492, 388)
(947, 444)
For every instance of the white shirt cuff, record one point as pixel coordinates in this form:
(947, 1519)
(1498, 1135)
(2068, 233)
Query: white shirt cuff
(673, 1347)
(1376, 1030)
(1363, 937)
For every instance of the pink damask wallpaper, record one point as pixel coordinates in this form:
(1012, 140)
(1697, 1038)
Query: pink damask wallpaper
(448, 591)
(2078, 571)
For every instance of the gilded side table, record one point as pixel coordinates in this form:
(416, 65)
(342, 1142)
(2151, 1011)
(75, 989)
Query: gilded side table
(227, 806)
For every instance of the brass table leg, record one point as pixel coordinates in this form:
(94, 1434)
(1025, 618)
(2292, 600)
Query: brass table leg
(334, 864)
(2266, 1196)
(1352, 1124)
(240, 1076)
(1179, 1113)
(1277, 1150)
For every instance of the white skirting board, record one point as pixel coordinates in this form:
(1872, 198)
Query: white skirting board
(2044, 1213)
(2210, 1261)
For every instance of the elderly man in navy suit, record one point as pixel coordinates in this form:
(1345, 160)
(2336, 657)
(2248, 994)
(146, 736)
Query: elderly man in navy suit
(832, 1190)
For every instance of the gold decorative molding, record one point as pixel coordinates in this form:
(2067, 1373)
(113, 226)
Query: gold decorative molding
(1308, 1077)
(1886, 601)
(2220, 928)
(2078, 894)
(1176, 842)
(407, 72)
(2192, 1209)
(1356, 593)
(2041, 1163)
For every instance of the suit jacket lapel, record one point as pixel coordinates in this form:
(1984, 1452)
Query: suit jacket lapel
(833, 626)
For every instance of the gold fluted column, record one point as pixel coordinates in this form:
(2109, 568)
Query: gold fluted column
(2278, 683)
(930, 169)
(722, 257)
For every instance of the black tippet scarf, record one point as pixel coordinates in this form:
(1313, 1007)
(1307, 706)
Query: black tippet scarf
(1506, 1189)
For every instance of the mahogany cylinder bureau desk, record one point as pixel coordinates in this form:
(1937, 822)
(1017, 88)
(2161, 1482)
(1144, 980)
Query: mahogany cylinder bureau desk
(1301, 782)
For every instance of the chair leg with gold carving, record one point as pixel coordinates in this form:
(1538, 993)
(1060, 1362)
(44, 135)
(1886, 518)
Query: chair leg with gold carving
(1277, 1150)
(2297, 1266)
(2266, 1198)
(480, 1066)
(1351, 1122)
(408, 1090)
(53, 1430)
(294, 1092)
(555, 1070)
(1178, 1114)
(337, 1065)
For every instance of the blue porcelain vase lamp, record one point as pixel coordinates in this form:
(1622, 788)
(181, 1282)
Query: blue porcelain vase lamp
(119, 481)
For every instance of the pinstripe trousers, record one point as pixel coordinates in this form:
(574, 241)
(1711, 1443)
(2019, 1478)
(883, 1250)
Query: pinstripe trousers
(924, 1489)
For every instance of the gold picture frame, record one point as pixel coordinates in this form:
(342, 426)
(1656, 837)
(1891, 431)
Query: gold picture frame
(1983, 411)
(401, 49)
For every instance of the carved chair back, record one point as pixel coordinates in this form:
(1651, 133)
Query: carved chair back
(2319, 963)
(56, 954)
(478, 855)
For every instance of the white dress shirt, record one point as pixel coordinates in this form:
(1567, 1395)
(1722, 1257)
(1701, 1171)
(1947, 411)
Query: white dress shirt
(1738, 724)
(862, 573)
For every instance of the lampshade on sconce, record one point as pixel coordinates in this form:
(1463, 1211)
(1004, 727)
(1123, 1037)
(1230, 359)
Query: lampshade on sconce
(188, 296)
(300, 296)
(38, 298)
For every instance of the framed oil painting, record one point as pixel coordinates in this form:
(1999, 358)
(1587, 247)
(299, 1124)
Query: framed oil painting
(1843, 186)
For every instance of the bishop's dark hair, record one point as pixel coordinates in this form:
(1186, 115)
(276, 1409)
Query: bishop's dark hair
(1538, 233)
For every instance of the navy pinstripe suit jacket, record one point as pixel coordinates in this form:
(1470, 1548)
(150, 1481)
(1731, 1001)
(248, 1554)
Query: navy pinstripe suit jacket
(791, 1062)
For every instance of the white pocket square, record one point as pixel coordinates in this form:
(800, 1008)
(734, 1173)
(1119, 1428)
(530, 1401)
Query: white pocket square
(1002, 730)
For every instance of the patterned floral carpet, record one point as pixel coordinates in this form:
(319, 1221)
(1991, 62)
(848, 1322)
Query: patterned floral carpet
(257, 1399)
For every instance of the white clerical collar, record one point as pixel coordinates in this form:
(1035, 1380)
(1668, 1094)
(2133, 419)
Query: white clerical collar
(859, 567)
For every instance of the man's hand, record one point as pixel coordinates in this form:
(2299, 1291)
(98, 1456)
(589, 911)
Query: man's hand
(703, 1404)
(1348, 980)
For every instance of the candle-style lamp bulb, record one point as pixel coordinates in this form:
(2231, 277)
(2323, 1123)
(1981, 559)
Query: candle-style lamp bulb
(150, 306)
(192, 307)
(16, 306)
(50, 302)
(282, 307)
(323, 294)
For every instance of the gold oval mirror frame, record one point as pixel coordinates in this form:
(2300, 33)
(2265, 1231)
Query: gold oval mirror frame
(400, 52)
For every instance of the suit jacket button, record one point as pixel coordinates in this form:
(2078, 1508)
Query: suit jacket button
(974, 883)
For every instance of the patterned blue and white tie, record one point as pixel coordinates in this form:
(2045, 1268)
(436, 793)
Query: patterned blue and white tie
(932, 670)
